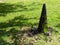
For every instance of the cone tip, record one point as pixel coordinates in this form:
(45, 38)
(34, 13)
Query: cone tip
(44, 4)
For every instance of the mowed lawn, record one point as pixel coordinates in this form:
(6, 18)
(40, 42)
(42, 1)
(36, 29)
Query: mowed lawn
(15, 14)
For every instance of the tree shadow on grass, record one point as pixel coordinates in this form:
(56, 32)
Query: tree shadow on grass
(58, 26)
(20, 21)
(17, 21)
(14, 40)
(4, 33)
(2, 42)
(6, 8)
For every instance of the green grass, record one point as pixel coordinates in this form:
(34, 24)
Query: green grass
(16, 14)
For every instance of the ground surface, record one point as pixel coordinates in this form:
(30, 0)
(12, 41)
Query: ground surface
(15, 15)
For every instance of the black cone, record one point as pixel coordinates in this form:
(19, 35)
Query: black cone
(43, 19)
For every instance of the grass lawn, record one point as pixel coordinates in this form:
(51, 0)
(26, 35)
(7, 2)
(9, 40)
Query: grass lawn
(21, 13)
